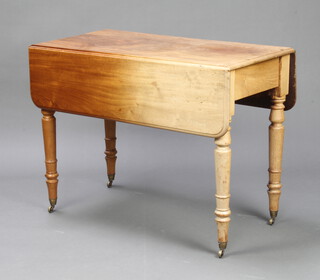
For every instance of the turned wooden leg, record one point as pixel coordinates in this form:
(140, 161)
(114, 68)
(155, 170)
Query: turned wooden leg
(276, 135)
(222, 169)
(110, 139)
(49, 138)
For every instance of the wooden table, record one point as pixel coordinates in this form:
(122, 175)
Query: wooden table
(174, 83)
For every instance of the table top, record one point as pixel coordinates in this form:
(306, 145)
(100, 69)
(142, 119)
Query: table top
(218, 54)
(175, 83)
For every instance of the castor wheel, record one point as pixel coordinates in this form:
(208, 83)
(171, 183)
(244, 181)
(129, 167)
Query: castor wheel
(51, 209)
(273, 215)
(220, 254)
(271, 221)
(53, 203)
(222, 247)
(111, 178)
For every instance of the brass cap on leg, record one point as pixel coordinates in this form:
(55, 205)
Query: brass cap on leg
(273, 215)
(53, 203)
(222, 247)
(111, 178)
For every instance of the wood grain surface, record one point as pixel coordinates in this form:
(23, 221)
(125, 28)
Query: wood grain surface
(49, 138)
(111, 151)
(256, 78)
(182, 97)
(175, 83)
(229, 55)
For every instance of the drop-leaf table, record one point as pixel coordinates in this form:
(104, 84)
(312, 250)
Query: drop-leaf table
(174, 83)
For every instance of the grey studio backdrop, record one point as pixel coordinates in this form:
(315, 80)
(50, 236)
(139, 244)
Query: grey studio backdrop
(157, 222)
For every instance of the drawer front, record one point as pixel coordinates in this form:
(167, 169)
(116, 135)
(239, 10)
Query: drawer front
(177, 96)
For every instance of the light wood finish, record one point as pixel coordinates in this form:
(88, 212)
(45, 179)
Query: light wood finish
(174, 83)
(49, 138)
(110, 139)
(256, 78)
(187, 98)
(219, 54)
(276, 136)
(232, 92)
(167, 82)
(263, 100)
(222, 171)
(284, 75)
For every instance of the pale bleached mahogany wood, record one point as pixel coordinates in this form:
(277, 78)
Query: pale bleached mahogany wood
(256, 78)
(276, 136)
(110, 139)
(222, 171)
(168, 82)
(180, 84)
(49, 138)
(263, 99)
(284, 75)
(222, 55)
(232, 92)
(175, 96)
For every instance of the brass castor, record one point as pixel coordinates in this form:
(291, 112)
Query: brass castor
(222, 247)
(53, 203)
(111, 178)
(221, 252)
(273, 215)
(271, 221)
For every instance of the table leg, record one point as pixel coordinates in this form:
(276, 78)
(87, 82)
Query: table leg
(222, 170)
(276, 136)
(49, 138)
(110, 139)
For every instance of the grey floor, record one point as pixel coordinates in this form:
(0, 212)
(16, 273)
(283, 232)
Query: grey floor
(157, 222)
